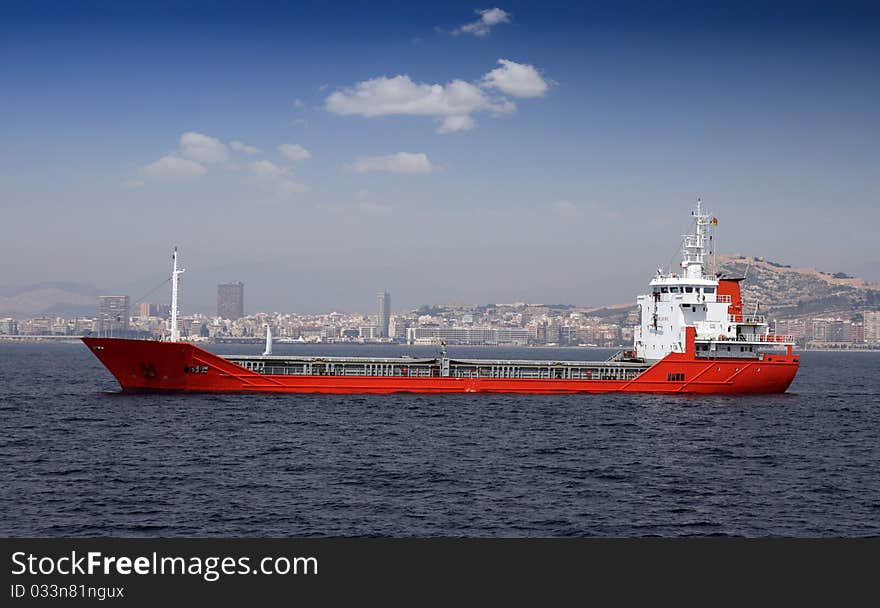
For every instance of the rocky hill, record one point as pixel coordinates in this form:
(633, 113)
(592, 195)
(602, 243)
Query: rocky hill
(786, 292)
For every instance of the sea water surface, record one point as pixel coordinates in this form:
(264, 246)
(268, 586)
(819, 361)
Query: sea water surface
(78, 458)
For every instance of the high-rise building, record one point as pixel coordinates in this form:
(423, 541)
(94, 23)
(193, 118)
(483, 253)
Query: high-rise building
(384, 301)
(230, 300)
(872, 326)
(113, 313)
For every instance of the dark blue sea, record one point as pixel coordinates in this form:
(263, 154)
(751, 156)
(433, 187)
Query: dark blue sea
(78, 458)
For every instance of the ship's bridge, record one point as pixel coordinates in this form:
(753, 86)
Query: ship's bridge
(674, 303)
(672, 287)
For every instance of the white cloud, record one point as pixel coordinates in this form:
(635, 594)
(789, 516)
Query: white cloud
(173, 167)
(489, 18)
(402, 162)
(456, 123)
(267, 169)
(517, 79)
(202, 148)
(294, 152)
(298, 104)
(385, 96)
(453, 102)
(197, 149)
(243, 147)
(275, 178)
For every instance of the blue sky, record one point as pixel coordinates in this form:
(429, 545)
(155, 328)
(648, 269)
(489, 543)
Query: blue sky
(300, 148)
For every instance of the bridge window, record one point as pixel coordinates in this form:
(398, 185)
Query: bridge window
(689, 289)
(708, 290)
(673, 290)
(664, 290)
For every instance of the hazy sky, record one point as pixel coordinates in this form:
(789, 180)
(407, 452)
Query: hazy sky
(445, 151)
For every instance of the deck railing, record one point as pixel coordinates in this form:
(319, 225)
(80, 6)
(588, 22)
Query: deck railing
(756, 338)
(747, 318)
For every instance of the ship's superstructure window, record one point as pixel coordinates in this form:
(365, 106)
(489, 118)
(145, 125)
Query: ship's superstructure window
(708, 290)
(689, 289)
(675, 377)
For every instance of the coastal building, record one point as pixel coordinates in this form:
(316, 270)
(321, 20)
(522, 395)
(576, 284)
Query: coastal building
(113, 315)
(9, 327)
(230, 300)
(467, 335)
(153, 309)
(369, 332)
(872, 326)
(397, 328)
(384, 301)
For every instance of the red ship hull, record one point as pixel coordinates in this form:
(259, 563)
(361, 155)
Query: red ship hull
(140, 365)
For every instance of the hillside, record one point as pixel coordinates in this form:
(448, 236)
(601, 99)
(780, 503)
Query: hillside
(786, 292)
(782, 291)
(50, 299)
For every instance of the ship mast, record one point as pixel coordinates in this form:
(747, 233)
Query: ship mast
(693, 247)
(175, 279)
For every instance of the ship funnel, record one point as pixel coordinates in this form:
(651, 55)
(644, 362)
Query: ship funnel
(268, 350)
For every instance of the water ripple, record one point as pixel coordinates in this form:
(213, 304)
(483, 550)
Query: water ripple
(77, 458)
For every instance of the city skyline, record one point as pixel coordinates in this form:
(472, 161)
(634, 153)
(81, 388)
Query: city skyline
(496, 325)
(460, 151)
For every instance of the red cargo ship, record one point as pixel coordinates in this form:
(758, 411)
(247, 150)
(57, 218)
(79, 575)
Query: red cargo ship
(693, 337)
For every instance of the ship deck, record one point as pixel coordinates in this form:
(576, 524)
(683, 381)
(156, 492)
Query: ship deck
(436, 367)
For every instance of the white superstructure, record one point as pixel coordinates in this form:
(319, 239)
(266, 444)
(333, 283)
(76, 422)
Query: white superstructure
(692, 298)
